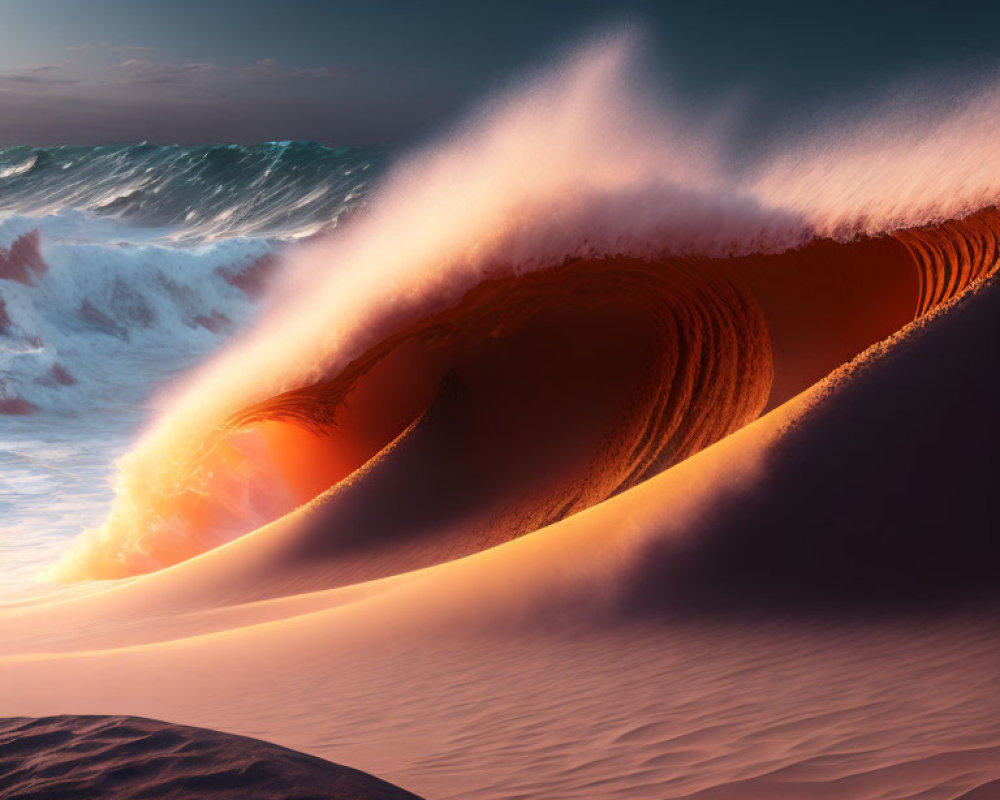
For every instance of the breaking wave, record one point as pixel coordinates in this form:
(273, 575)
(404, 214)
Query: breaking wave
(74, 316)
(568, 295)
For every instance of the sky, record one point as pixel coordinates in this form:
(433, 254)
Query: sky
(355, 72)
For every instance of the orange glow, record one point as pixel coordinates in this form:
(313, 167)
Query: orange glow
(384, 401)
(580, 380)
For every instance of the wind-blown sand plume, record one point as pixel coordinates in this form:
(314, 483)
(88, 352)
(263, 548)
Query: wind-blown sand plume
(912, 161)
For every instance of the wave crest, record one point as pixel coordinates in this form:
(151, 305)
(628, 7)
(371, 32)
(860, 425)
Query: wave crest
(564, 195)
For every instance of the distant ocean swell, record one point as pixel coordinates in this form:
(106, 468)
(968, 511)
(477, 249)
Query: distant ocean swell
(276, 189)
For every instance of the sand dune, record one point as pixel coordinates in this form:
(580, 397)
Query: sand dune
(128, 757)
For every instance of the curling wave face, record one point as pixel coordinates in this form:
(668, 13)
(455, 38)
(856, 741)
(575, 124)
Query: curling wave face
(528, 321)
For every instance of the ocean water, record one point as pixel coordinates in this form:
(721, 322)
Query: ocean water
(119, 270)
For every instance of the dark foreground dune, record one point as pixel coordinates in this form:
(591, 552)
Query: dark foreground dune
(81, 757)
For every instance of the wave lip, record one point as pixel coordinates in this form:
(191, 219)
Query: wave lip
(19, 169)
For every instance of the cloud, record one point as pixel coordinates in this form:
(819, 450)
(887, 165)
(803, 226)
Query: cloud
(186, 78)
(36, 77)
(112, 50)
(115, 93)
(39, 69)
(149, 71)
(100, 71)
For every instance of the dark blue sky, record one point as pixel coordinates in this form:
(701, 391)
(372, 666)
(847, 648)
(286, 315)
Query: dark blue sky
(98, 71)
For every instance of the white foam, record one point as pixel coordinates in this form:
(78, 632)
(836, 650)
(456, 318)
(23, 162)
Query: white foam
(57, 463)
